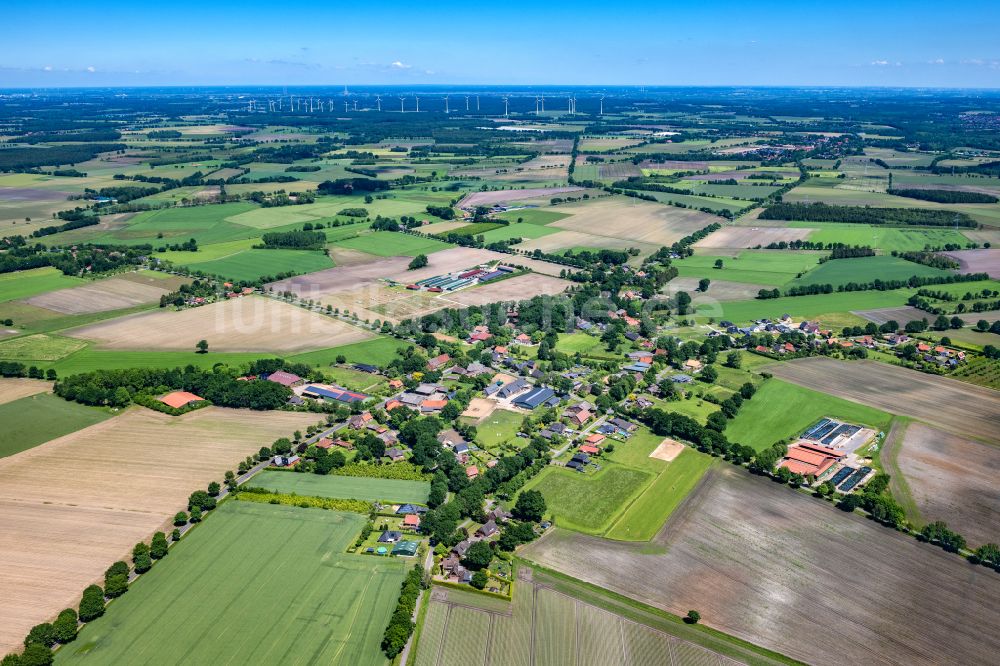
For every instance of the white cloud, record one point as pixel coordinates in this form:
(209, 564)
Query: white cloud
(91, 69)
(47, 68)
(400, 65)
(880, 63)
(938, 61)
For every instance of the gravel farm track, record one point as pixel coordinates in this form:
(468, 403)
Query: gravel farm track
(946, 403)
(793, 574)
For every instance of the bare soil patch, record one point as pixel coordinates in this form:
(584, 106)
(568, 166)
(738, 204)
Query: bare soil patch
(949, 404)
(747, 237)
(718, 290)
(901, 315)
(978, 261)
(503, 196)
(112, 294)
(245, 324)
(72, 506)
(341, 278)
(480, 408)
(667, 450)
(953, 479)
(793, 574)
(632, 220)
(15, 388)
(517, 288)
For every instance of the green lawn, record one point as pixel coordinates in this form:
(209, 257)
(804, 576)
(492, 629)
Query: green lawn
(88, 360)
(536, 216)
(207, 224)
(392, 244)
(254, 584)
(499, 427)
(343, 487)
(807, 306)
(36, 419)
(588, 503)
(779, 410)
(647, 514)
(768, 267)
(527, 231)
(587, 345)
(883, 238)
(253, 264)
(24, 284)
(866, 269)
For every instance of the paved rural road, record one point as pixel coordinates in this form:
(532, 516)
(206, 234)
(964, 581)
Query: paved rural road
(428, 565)
(585, 431)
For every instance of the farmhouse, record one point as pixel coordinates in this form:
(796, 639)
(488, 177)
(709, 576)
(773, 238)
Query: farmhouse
(284, 378)
(333, 393)
(395, 454)
(810, 459)
(390, 536)
(411, 521)
(692, 365)
(179, 399)
(437, 362)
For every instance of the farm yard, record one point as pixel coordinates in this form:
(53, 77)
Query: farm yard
(344, 487)
(333, 610)
(947, 477)
(105, 488)
(795, 575)
(236, 325)
(946, 403)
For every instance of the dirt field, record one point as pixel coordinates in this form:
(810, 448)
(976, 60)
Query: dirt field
(953, 479)
(512, 289)
(949, 404)
(480, 408)
(901, 315)
(72, 506)
(978, 261)
(667, 450)
(341, 278)
(12, 389)
(251, 323)
(503, 196)
(745, 237)
(793, 574)
(100, 296)
(631, 220)
(457, 258)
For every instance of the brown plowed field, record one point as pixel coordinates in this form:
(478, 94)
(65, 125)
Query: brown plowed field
(978, 261)
(794, 574)
(72, 506)
(953, 479)
(949, 404)
(503, 196)
(247, 324)
(101, 296)
(746, 237)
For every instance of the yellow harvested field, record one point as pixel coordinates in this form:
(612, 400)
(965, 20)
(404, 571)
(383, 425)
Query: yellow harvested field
(442, 227)
(248, 324)
(15, 388)
(517, 288)
(667, 450)
(458, 258)
(100, 296)
(72, 506)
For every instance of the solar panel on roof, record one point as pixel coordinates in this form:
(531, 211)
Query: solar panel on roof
(814, 427)
(855, 479)
(842, 474)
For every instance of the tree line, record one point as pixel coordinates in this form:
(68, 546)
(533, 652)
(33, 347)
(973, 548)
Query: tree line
(821, 212)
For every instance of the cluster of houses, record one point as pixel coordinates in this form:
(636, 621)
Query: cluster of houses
(451, 566)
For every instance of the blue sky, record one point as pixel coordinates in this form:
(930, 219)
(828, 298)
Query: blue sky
(301, 42)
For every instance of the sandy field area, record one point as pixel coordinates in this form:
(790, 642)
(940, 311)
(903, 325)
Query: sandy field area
(747, 237)
(632, 220)
(15, 388)
(946, 403)
(480, 408)
(953, 479)
(72, 506)
(113, 294)
(794, 574)
(667, 450)
(517, 288)
(251, 323)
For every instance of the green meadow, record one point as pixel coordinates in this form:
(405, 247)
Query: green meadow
(765, 267)
(866, 269)
(344, 487)
(25, 284)
(36, 419)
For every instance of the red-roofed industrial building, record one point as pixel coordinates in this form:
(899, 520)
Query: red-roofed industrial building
(179, 399)
(806, 459)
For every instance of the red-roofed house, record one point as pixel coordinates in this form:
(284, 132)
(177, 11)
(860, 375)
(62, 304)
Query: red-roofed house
(438, 361)
(411, 521)
(594, 439)
(589, 450)
(284, 378)
(471, 472)
(179, 399)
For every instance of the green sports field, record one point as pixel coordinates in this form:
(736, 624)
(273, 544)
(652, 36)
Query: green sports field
(344, 487)
(24, 284)
(779, 410)
(36, 419)
(253, 584)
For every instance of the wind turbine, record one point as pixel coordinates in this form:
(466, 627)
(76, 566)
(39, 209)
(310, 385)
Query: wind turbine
(418, 103)
(466, 102)
(446, 104)
(505, 99)
(345, 106)
(536, 105)
(402, 103)
(355, 105)
(602, 105)
(542, 97)
(477, 102)
(378, 102)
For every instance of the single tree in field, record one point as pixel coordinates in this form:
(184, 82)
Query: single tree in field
(202, 346)
(703, 284)
(419, 261)
(718, 263)
(693, 617)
